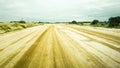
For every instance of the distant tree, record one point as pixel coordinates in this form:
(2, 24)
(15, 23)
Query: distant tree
(114, 21)
(22, 21)
(40, 22)
(12, 21)
(94, 22)
(73, 22)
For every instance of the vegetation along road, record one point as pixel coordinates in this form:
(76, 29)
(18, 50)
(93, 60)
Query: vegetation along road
(60, 46)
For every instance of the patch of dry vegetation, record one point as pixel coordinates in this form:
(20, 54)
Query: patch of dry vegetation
(8, 27)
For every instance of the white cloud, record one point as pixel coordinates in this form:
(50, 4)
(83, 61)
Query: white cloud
(58, 10)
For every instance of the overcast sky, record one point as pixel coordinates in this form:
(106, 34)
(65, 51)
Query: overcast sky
(58, 10)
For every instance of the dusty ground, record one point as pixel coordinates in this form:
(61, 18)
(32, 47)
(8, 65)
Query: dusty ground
(60, 46)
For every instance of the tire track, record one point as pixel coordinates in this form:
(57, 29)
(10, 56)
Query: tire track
(99, 34)
(61, 46)
(14, 41)
(15, 38)
(16, 48)
(26, 58)
(91, 46)
(92, 37)
(22, 46)
(61, 59)
(87, 55)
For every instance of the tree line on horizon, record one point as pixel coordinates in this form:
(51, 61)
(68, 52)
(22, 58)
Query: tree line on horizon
(112, 22)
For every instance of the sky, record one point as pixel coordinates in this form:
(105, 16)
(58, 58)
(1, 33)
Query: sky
(58, 10)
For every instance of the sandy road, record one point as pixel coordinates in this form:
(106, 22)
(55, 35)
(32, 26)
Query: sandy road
(59, 46)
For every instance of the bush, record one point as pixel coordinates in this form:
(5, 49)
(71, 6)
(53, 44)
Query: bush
(6, 28)
(22, 22)
(94, 22)
(73, 22)
(15, 24)
(24, 26)
(114, 21)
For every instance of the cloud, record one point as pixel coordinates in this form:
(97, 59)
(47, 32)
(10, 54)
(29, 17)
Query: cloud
(58, 10)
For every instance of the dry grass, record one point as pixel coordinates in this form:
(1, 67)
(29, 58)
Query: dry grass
(8, 27)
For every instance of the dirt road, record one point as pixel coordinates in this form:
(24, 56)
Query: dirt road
(59, 46)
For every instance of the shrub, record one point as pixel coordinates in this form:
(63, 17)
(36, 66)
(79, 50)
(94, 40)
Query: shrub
(22, 25)
(114, 21)
(73, 22)
(94, 22)
(6, 28)
(15, 24)
(22, 22)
